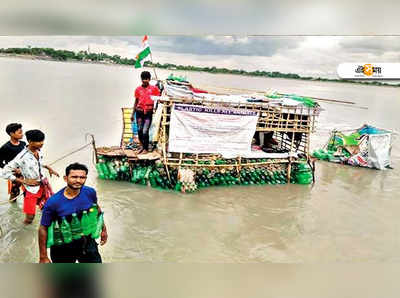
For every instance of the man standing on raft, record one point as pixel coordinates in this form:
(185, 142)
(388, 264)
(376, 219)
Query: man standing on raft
(144, 109)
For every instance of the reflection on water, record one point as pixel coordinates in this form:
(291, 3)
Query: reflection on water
(350, 214)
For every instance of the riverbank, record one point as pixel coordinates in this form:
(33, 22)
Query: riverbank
(104, 59)
(48, 58)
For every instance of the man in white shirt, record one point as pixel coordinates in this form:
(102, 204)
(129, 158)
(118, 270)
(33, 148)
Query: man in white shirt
(30, 163)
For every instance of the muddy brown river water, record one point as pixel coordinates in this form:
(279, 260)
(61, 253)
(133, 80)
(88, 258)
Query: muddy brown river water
(350, 215)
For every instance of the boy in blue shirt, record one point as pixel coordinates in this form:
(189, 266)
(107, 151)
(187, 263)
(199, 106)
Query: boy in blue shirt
(75, 198)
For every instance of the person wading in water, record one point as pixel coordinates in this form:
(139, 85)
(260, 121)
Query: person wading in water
(30, 162)
(8, 152)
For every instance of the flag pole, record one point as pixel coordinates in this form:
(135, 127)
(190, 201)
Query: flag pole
(154, 69)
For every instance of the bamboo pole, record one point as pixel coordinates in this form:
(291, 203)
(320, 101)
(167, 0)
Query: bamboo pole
(290, 159)
(230, 165)
(283, 94)
(164, 143)
(152, 63)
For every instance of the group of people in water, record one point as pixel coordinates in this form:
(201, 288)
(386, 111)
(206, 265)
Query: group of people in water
(21, 164)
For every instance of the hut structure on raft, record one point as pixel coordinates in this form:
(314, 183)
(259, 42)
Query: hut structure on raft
(188, 156)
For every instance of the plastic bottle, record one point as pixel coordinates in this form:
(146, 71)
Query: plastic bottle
(135, 173)
(66, 230)
(113, 172)
(99, 226)
(57, 234)
(123, 168)
(100, 171)
(50, 235)
(93, 214)
(104, 169)
(152, 180)
(76, 227)
(85, 222)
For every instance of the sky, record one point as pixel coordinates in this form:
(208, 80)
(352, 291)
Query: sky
(316, 56)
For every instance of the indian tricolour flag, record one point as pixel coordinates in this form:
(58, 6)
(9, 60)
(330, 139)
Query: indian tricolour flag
(143, 54)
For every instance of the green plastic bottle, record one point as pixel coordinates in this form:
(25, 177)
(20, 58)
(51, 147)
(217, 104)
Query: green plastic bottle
(66, 230)
(113, 172)
(123, 168)
(57, 234)
(76, 227)
(178, 186)
(152, 179)
(100, 171)
(103, 167)
(50, 235)
(99, 226)
(93, 214)
(85, 222)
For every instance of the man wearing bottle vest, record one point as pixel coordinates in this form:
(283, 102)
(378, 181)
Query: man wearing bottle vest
(71, 221)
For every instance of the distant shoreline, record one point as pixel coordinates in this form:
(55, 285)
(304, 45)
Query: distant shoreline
(46, 58)
(103, 59)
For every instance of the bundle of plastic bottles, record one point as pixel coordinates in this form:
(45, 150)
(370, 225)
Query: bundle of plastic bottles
(154, 175)
(301, 174)
(329, 155)
(186, 180)
(64, 232)
(189, 178)
(113, 169)
(246, 176)
(336, 150)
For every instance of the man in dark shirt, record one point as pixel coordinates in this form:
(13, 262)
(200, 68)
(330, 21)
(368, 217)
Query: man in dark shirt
(9, 151)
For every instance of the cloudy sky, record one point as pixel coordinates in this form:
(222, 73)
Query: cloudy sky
(305, 55)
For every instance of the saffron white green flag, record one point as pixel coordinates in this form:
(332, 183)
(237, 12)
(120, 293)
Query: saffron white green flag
(143, 54)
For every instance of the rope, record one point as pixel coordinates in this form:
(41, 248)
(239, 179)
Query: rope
(69, 154)
(57, 160)
(10, 201)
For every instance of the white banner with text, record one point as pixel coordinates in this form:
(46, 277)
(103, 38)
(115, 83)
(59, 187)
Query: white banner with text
(201, 129)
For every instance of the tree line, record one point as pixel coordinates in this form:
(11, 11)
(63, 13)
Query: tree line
(65, 55)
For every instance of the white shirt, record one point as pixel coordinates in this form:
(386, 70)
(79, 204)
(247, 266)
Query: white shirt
(30, 167)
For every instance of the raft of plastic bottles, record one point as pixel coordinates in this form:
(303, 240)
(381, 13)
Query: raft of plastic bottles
(189, 178)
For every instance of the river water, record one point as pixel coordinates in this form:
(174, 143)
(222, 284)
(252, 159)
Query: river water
(350, 215)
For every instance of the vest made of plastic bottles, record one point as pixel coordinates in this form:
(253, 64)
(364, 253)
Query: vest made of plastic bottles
(61, 231)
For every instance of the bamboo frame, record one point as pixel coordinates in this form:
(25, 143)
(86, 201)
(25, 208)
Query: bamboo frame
(127, 132)
(291, 127)
(280, 120)
(272, 118)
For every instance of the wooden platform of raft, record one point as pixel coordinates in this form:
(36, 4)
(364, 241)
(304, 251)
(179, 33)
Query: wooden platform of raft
(130, 154)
